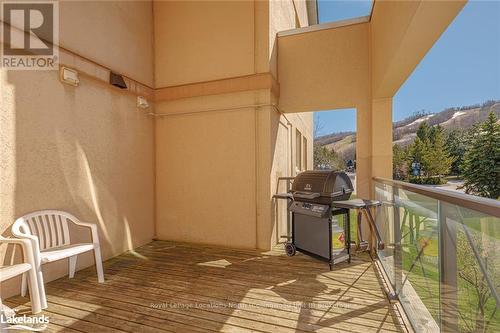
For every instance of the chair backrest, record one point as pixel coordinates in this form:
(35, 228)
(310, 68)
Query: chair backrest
(50, 226)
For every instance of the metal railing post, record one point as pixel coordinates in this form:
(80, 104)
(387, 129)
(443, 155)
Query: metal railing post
(398, 258)
(448, 291)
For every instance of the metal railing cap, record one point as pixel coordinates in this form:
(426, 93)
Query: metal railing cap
(479, 204)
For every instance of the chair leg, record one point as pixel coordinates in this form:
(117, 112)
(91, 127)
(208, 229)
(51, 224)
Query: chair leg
(36, 305)
(98, 264)
(41, 288)
(23, 285)
(72, 266)
(3, 317)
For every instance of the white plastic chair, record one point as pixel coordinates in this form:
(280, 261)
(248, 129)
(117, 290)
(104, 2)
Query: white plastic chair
(49, 233)
(27, 266)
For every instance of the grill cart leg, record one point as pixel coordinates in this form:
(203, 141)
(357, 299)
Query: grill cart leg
(347, 228)
(288, 220)
(372, 232)
(362, 244)
(380, 243)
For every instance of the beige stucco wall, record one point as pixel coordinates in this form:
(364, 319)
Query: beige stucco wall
(206, 172)
(333, 71)
(118, 34)
(85, 149)
(203, 40)
(206, 168)
(220, 191)
(285, 15)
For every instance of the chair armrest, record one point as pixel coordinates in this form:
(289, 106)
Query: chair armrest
(84, 224)
(35, 245)
(92, 227)
(19, 241)
(27, 246)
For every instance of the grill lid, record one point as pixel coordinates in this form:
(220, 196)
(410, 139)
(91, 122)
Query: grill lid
(313, 184)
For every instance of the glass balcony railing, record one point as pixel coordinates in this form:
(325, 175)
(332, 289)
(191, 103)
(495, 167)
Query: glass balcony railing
(442, 257)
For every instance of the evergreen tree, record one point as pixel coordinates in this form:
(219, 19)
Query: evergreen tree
(481, 165)
(417, 151)
(455, 143)
(423, 131)
(434, 131)
(429, 150)
(399, 162)
(436, 160)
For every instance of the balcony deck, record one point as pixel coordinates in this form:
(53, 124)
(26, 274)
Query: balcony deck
(179, 287)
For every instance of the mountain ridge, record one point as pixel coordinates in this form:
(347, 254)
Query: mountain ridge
(405, 131)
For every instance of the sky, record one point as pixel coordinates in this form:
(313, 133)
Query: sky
(462, 68)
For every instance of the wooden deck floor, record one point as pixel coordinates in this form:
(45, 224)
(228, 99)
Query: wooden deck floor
(178, 287)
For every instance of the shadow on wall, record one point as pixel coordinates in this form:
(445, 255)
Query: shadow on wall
(85, 150)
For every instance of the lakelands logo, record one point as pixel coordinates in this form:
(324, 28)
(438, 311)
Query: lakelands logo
(23, 323)
(30, 34)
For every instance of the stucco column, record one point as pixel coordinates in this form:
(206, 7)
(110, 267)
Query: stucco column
(381, 143)
(364, 156)
(373, 144)
(363, 149)
(373, 148)
(263, 163)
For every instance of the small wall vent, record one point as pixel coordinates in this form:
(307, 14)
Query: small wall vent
(117, 80)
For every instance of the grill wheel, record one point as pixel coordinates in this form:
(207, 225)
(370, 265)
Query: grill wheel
(290, 249)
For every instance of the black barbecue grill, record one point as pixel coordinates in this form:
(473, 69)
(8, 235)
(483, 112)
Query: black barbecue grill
(322, 187)
(310, 202)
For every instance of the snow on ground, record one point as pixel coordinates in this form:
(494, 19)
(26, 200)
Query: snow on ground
(419, 120)
(458, 114)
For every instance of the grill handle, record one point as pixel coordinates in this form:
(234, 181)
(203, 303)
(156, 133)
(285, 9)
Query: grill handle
(305, 195)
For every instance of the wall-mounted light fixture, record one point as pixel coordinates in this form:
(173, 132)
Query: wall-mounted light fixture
(142, 102)
(117, 80)
(69, 76)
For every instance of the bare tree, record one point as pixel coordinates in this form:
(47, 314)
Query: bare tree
(319, 125)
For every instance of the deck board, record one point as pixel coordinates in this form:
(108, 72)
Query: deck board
(179, 287)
